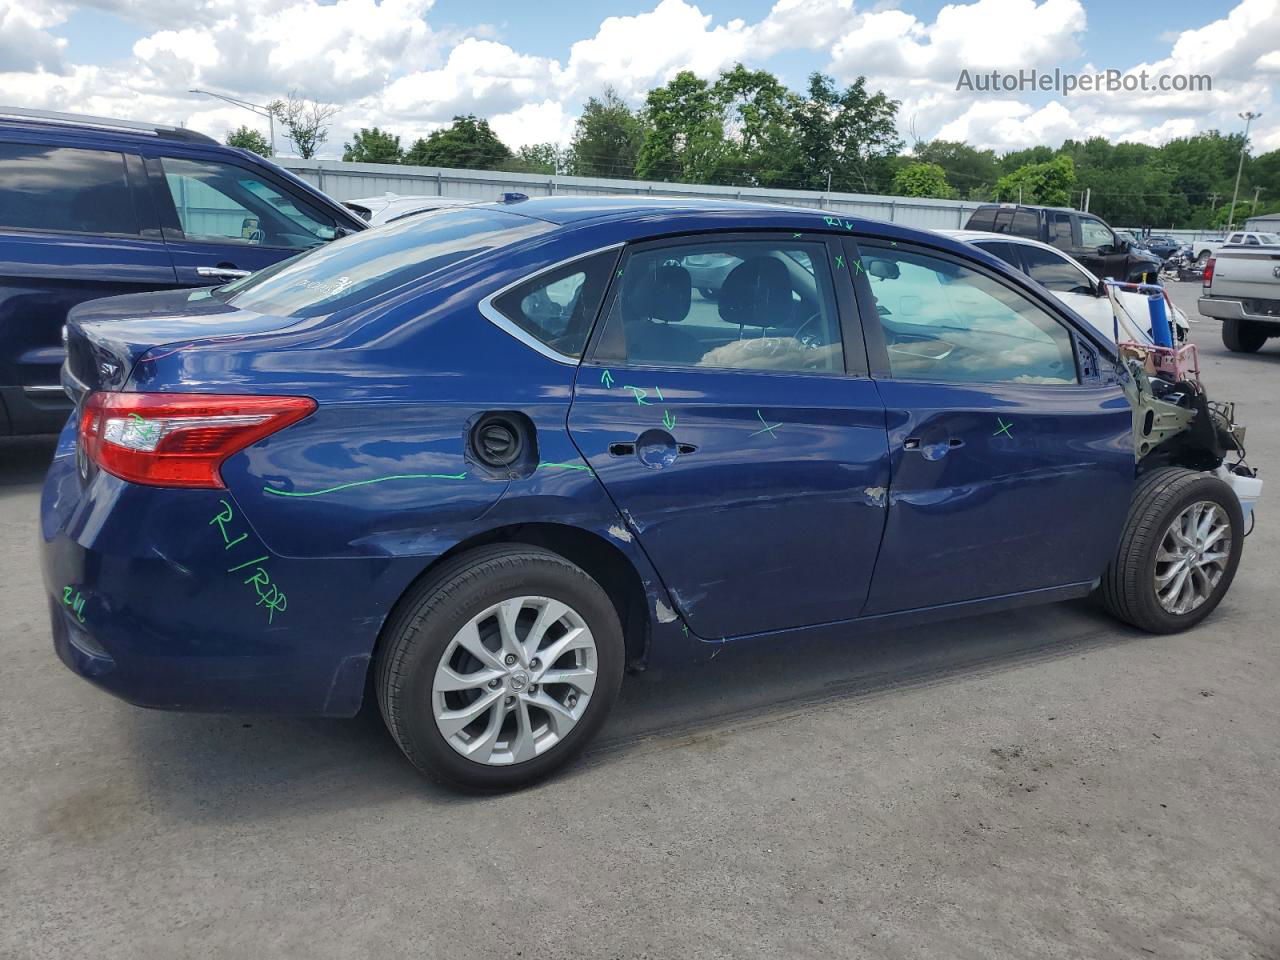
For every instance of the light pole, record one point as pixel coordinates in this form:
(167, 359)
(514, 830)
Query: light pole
(1248, 117)
(257, 108)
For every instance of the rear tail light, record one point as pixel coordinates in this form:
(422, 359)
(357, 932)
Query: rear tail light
(178, 440)
(1208, 271)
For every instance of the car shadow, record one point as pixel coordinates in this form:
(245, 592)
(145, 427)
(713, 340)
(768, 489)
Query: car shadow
(24, 461)
(232, 769)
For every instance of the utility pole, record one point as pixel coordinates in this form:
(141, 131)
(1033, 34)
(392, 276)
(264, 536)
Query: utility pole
(1256, 191)
(1248, 117)
(1213, 202)
(259, 109)
(1088, 195)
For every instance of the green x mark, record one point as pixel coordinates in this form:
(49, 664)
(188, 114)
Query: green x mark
(768, 427)
(1004, 428)
(796, 236)
(839, 262)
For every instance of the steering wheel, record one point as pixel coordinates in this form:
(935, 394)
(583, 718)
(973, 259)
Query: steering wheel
(811, 342)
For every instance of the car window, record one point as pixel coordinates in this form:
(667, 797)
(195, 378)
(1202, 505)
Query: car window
(1253, 241)
(372, 262)
(65, 189)
(1269, 239)
(1060, 230)
(1236, 238)
(557, 308)
(1095, 233)
(984, 218)
(751, 305)
(946, 322)
(229, 204)
(1003, 221)
(1026, 223)
(1055, 272)
(1008, 252)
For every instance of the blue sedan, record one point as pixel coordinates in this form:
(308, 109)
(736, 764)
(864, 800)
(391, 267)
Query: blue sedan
(483, 461)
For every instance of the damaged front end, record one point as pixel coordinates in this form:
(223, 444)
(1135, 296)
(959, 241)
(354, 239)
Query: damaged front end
(1176, 424)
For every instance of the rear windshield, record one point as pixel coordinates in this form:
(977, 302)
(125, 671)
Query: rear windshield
(349, 271)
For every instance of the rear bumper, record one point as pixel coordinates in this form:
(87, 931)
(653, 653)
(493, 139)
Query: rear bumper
(147, 602)
(1225, 309)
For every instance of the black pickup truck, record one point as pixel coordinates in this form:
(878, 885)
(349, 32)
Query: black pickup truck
(1082, 235)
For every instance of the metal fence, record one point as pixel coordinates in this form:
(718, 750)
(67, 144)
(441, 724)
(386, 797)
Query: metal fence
(350, 181)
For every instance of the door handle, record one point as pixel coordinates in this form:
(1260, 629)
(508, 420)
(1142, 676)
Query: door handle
(932, 451)
(628, 449)
(221, 273)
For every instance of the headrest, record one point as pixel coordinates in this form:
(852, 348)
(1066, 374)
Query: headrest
(756, 293)
(656, 291)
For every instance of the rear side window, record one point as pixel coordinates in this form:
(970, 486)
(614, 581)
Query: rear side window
(65, 189)
(1026, 223)
(1060, 230)
(1054, 271)
(557, 308)
(1003, 251)
(1003, 221)
(358, 268)
(984, 218)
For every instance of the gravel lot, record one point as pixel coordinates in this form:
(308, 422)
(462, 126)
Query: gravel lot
(1037, 784)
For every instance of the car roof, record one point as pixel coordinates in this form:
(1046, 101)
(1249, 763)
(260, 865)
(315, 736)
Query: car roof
(571, 209)
(55, 121)
(969, 236)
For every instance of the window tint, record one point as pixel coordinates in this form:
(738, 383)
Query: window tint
(984, 218)
(1094, 234)
(1236, 238)
(372, 262)
(946, 322)
(754, 305)
(1003, 221)
(1054, 271)
(1060, 230)
(65, 189)
(1026, 223)
(557, 308)
(226, 203)
(1003, 251)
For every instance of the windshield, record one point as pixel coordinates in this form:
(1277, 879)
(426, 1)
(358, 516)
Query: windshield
(349, 271)
(1270, 239)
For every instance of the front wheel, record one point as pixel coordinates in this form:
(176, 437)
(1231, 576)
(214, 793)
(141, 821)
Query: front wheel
(1241, 336)
(1179, 551)
(500, 668)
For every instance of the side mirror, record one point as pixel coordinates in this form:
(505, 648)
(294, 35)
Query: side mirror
(884, 269)
(1107, 249)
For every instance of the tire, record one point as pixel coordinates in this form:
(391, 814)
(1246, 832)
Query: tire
(423, 630)
(1129, 586)
(1241, 336)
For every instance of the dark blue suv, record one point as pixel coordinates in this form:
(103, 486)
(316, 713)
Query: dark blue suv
(92, 208)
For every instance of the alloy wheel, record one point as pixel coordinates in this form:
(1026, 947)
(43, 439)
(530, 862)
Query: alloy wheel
(1192, 557)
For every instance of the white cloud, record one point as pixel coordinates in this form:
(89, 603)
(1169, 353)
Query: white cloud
(26, 45)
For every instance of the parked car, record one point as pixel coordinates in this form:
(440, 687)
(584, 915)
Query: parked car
(1071, 283)
(1242, 289)
(1162, 247)
(391, 206)
(1084, 236)
(488, 457)
(1246, 238)
(94, 207)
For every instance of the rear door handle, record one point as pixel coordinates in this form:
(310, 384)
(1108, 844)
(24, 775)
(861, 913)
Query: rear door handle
(625, 449)
(932, 451)
(221, 273)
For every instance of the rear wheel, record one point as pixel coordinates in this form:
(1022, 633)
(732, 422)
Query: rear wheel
(1242, 336)
(500, 668)
(1179, 551)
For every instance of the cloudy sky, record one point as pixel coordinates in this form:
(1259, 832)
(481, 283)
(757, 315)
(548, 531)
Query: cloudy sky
(409, 65)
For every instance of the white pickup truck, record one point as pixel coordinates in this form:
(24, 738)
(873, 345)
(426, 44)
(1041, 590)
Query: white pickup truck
(1242, 289)
(1204, 249)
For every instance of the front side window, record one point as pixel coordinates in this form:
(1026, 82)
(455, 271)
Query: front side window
(946, 322)
(1095, 234)
(1055, 272)
(751, 305)
(1236, 238)
(1060, 227)
(373, 262)
(65, 189)
(228, 204)
(557, 308)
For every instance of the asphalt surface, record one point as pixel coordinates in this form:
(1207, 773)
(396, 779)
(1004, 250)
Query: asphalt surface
(1039, 784)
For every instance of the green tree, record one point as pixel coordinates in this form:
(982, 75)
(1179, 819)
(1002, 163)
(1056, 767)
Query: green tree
(606, 139)
(683, 132)
(1047, 183)
(246, 138)
(755, 113)
(922, 180)
(842, 136)
(466, 144)
(535, 158)
(372, 145)
(306, 122)
(971, 170)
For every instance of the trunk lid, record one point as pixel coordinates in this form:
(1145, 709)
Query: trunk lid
(105, 339)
